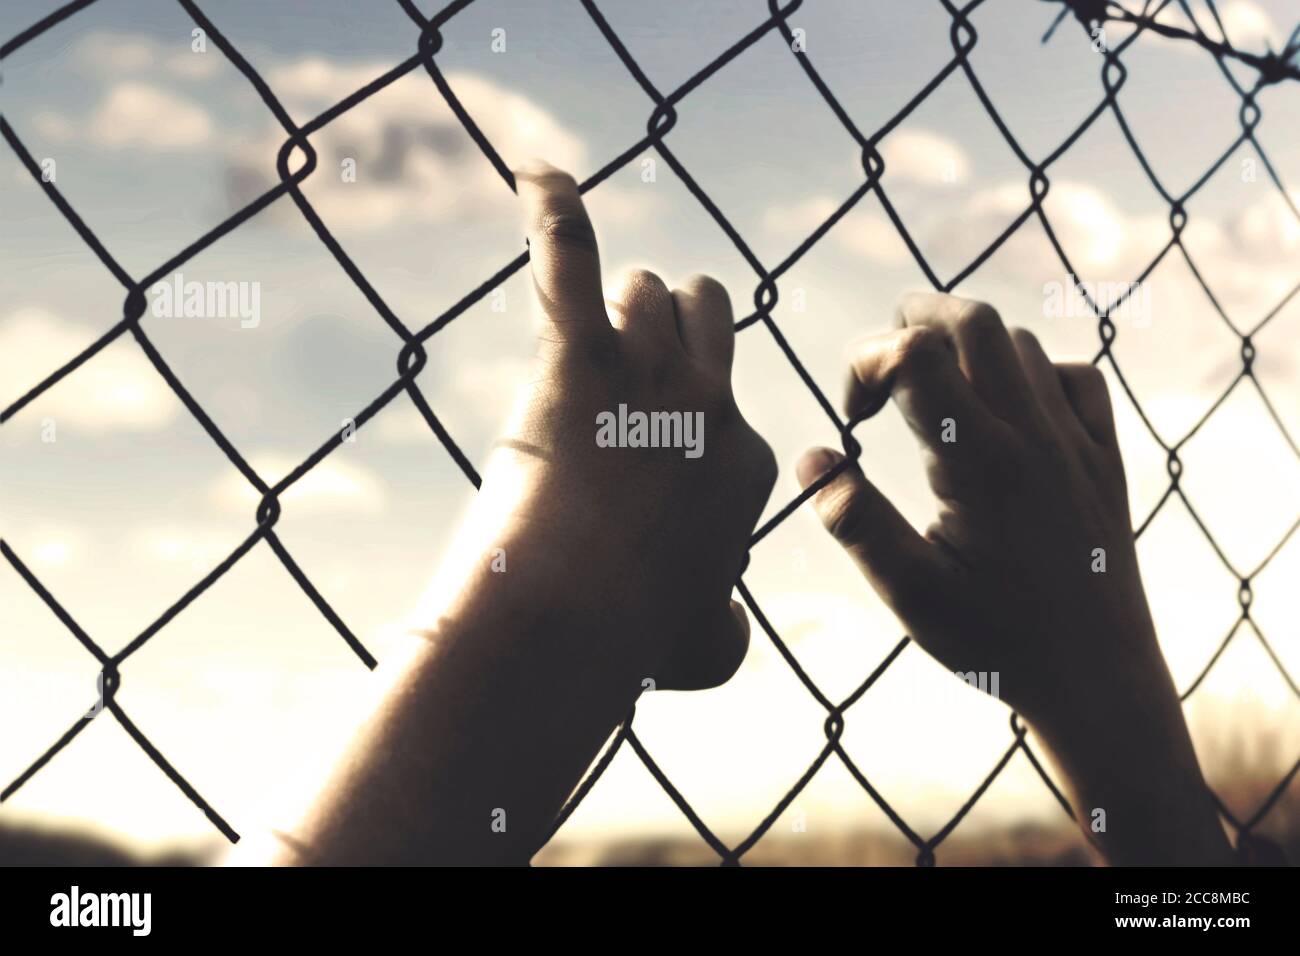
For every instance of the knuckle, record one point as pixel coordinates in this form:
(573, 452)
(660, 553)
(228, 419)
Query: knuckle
(1089, 383)
(919, 346)
(645, 281)
(566, 225)
(1023, 337)
(643, 289)
(1094, 380)
(979, 318)
(840, 513)
(705, 287)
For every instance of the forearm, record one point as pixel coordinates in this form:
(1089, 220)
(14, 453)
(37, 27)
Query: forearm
(483, 738)
(1133, 779)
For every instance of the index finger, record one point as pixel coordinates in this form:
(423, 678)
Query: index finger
(562, 247)
(917, 368)
(984, 350)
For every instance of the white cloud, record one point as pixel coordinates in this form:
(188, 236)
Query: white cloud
(1269, 227)
(134, 113)
(1248, 256)
(139, 115)
(116, 388)
(413, 160)
(114, 54)
(1096, 234)
(333, 487)
(914, 156)
(865, 231)
(924, 157)
(514, 124)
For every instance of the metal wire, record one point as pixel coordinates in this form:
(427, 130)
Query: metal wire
(1269, 68)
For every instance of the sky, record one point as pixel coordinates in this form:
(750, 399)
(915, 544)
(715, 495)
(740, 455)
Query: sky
(249, 691)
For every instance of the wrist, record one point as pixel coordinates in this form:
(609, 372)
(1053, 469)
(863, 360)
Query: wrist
(1133, 778)
(555, 596)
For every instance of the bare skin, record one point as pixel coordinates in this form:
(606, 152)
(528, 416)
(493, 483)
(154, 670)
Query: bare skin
(620, 563)
(1032, 500)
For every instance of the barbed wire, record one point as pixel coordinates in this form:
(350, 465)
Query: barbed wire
(1092, 15)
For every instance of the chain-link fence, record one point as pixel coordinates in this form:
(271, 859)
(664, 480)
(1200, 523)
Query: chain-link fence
(1268, 68)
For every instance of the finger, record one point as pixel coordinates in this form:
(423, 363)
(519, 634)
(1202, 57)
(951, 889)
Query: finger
(642, 307)
(1045, 384)
(562, 248)
(919, 369)
(1085, 388)
(711, 655)
(984, 350)
(897, 561)
(705, 322)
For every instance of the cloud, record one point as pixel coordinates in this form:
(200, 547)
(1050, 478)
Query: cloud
(923, 157)
(865, 232)
(1268, 228)
(333, 487)
(117, 388)
(137, 115)
(134, 115)
(1247, 256)
(412, 158)
(115, 54)
(1096, 235)
(912, 156)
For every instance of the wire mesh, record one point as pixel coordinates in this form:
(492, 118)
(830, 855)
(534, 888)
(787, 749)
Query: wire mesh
(1268, 68)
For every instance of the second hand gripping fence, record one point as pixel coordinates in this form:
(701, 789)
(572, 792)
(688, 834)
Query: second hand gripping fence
(1268, 68)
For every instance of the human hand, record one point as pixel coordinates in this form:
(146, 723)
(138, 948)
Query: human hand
(646, 542)
(587, 566)
(1030, 571)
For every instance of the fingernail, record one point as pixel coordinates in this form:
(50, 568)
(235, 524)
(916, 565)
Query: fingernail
(814, 463)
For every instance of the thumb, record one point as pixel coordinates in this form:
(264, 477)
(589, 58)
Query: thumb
(895, 559)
